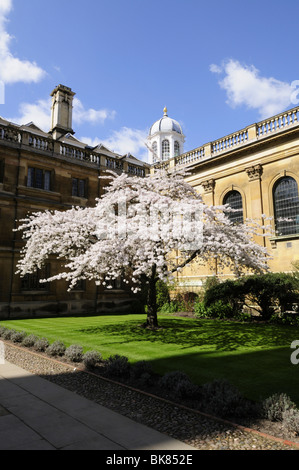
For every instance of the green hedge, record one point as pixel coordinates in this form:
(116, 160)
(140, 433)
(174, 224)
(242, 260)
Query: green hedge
(266, 293)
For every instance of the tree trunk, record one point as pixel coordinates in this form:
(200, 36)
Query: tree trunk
(152, 318)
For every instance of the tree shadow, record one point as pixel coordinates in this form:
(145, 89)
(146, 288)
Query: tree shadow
(220, 336)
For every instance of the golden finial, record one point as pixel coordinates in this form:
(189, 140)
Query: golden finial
(165, 111)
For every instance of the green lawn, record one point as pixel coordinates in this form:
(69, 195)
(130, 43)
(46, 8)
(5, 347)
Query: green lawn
(254, 357)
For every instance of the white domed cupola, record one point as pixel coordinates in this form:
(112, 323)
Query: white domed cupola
(165, 139)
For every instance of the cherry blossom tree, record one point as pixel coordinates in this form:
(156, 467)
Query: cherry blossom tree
(141, 229)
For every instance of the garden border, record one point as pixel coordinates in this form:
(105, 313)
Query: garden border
(206, 415)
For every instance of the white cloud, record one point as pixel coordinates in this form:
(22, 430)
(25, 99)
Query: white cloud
(13, 69)
(40, 114)
(124, 141)
(92, 116)
(245, 86)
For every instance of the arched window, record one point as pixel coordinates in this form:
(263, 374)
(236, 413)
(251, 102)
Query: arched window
(176, 148)
(165, 149)
(155, 151)
(286, 206)
(234, 200)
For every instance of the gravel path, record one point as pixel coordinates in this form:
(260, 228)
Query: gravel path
(188, 426)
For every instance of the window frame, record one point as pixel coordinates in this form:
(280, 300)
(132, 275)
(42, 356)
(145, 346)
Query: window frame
(281, 227)
(30, 282)
(177, 148)
(234, 217)
(33, 178)
(78, 192)
(165, 151)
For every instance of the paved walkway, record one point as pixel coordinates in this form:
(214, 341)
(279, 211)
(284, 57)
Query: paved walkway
(36, 414)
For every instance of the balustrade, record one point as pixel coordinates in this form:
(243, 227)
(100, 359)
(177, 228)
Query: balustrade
(10, 134)
(230, 141)
(278, 123)
(40, 144)
(190, 157)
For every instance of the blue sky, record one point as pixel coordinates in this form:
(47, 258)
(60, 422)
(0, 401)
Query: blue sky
(217, 66)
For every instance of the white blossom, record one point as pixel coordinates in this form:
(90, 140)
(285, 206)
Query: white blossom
(139, 223)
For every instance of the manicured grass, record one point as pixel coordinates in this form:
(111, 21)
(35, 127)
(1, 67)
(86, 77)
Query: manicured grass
(254, 357)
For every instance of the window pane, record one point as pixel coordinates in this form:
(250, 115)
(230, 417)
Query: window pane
(286, 206)
(165, 149)
(74, 187)
(81, 188)
(38, 179)
(31, 281)
(176, 149)
(234, 200)
(47, 182)
(30, 178)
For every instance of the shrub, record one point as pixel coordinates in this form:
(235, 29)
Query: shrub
(186, 389)
(290, 419)
(223, 399)
(2, 330)
(216, 310)
(170, 380)
(186, 301)
(41, 344)
(17, 336)
(162, 294)
(271, 290)
(8, 333)
(171, 307)
(117, 366)
(262, 292)
(275, 406)
(180, 385)
(140, 368)
(29, 341)
(230, 293)
(74, 353)
(285, 319)
(91, 359)
(56, 349)
(200, 309)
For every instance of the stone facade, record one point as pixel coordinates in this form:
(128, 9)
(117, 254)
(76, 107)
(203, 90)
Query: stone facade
(54, 171)
(250, 164)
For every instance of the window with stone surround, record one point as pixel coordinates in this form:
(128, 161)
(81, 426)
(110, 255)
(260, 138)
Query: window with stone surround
(31, 282)
(286, 206)
(79, 187)
(39, 178)
(176, 148)
(234, 200)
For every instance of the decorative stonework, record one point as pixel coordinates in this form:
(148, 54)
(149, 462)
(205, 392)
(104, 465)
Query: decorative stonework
(209, 185)
(254, 172)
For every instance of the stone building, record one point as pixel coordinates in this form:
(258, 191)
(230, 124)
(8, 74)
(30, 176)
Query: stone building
(255, 171)
(51, 170)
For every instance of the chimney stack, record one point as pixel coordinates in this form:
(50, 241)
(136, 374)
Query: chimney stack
(62, 111)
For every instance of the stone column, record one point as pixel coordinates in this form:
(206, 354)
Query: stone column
(256, 209)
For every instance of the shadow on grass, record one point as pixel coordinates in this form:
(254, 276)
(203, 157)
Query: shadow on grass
(220, 336)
